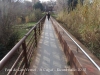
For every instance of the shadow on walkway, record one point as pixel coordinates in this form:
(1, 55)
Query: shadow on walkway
(50, 58)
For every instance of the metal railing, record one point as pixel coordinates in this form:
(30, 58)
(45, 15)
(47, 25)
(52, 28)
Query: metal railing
(25, 47)
(94, 63)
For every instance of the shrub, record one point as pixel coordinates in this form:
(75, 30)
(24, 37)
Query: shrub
(2, 51)
(13, 39)
(4, 48)
(38, 5)
(9, 12)
(34, 16)
(84, 23)
(38, 14)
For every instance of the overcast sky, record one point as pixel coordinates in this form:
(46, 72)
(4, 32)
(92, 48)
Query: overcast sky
(40, 0)
(44, 0)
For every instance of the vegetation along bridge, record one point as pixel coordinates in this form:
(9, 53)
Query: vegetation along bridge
(50, 50)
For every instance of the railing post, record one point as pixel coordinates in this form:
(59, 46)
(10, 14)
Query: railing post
(40, 25)
(39, 29)
(35, 34)
(25, 54)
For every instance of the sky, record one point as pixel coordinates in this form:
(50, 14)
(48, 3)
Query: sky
(44, 0)
(40, 0)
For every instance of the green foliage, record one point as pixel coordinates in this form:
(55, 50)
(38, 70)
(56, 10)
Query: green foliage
(13, 39)
(38, 14)
(2, 51)
(68, 63)
(53, 15)
(31, 17)
(84, 23)
(34, 16)
(9, 12)
(4, 48)
(72, 4)
(38, 5)
(24, 28)
(21, 30)
(9, 16)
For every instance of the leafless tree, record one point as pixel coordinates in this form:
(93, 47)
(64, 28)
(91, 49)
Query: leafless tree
(62, 5)
(49, 5)
(10, 10)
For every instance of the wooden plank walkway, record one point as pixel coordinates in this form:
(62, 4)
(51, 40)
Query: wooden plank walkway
(50, 56)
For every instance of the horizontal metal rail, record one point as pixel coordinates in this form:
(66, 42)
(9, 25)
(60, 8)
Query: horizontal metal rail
(22, 44)
(80, 48)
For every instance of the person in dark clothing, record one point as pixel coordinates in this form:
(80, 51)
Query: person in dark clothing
(48, 16)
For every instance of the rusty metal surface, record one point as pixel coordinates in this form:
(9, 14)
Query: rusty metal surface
(23, 59)
(77, 59)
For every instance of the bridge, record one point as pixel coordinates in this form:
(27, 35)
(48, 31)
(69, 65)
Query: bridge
(49, 49)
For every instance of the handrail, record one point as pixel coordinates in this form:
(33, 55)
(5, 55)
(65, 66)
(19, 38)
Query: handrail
(80, 48)
(14, 49)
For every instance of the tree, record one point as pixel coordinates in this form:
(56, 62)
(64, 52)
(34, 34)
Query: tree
(62, 5)
(49, 5)
(67, 4)
(73, 3)
(9, 12)
(38, 5)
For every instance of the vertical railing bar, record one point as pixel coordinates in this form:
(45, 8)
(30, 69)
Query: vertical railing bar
(40, 26)
(39, 29)
(35, 36)
(25, 54)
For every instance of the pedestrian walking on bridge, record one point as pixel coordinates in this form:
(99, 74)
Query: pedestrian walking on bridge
(48, 16)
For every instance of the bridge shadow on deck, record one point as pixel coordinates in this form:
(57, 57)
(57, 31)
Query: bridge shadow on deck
(50, 57)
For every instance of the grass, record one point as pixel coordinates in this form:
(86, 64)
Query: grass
(24, 28)
(53, 15)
